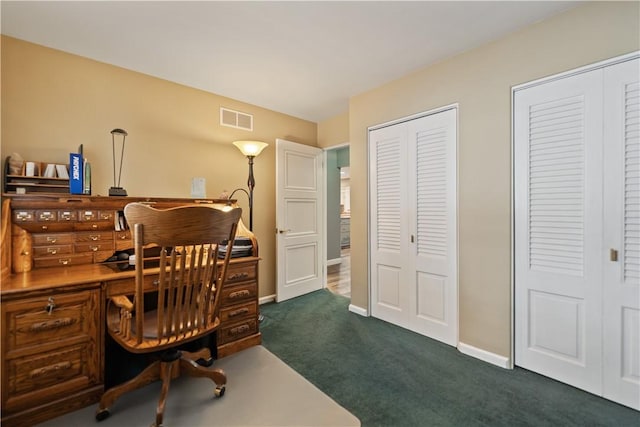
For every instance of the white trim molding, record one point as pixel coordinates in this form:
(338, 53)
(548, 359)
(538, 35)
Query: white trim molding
(484, 355)
(268, 298)
(358, 310)
(334, 261)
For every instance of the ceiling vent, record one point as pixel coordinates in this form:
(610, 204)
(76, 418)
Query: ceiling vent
(236, 119)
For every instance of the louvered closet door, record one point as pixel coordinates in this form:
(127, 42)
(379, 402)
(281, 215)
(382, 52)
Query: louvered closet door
(389, 219)
(432, 169)
(413, 225)
(558, 226)
(621, 295)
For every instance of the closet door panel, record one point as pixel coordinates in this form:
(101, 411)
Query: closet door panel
(432, 169)
(558, 226)
(389, 219)
(621, 287)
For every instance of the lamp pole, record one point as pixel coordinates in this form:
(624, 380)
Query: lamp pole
(250, 149)
(251, 182)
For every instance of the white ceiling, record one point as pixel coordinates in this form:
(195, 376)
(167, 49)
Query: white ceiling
(304, 59)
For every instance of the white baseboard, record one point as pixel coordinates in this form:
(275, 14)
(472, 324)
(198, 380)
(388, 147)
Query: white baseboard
(358, 310)
(268, 298)
(486, 356)
(334, 261)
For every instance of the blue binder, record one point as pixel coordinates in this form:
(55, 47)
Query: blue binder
(76, 174)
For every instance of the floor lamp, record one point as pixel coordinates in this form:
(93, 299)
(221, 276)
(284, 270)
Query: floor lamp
(250, 149)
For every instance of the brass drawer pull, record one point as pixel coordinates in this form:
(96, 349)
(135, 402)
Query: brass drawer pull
(235, 276)
(46, 216)
(23, 216)
(52, 251)
(51, 324)
(239, 312)
(52, 239)
(65, 261)
(94, 238)
(239, 330)
(94, 248)
(50, 306)
(239, 294)
(51, 369)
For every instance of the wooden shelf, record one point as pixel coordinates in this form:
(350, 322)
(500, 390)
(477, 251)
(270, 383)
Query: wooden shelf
(34, 184)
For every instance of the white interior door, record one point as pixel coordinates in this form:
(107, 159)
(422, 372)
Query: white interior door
(432, 150)
(300, 230)
(413, 225)
(558, 226)
(621, 338)
(577, 230)
(389, 218)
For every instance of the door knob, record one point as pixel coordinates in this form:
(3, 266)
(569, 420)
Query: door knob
(283, 231)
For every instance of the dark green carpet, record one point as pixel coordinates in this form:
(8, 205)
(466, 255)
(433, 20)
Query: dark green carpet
(388, 376)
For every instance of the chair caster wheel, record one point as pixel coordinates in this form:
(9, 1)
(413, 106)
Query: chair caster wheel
(219, 392)
(102, 414)
(205, 362)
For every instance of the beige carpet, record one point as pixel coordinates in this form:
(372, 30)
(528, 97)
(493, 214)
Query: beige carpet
(261, 391)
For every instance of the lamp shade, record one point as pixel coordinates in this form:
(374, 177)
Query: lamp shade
(250, 148)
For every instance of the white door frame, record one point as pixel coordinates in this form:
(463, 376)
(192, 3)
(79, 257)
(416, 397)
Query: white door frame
(514, 89)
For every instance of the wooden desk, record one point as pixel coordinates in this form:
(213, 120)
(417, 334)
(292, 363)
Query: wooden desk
(53, 328)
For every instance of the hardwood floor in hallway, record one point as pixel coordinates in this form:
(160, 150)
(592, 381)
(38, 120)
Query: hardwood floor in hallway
(339, 275)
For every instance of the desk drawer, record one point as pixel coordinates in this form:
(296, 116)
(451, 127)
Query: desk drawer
(123, 240)
(241, 272)
(63, 260)
(99, 236)
(46, 239)
(46, 227)
(238, 293)
(39, 251)
(40, 378)
(93, 225)
(94, 247)
(127, 286)
(32, 328)
(237, 330)
(235, 312)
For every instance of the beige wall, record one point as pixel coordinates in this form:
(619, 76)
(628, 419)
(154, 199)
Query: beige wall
(334, 131)
(53, 101)
(480, 82)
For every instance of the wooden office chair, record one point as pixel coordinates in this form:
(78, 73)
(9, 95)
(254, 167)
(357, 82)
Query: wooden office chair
(188, 285)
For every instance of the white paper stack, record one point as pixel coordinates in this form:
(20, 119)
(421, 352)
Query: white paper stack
(50, 171)
(62, 171)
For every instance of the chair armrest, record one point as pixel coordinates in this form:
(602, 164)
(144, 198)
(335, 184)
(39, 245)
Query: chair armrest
(122, 302)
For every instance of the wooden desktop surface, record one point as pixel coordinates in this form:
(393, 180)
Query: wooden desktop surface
(48, 280)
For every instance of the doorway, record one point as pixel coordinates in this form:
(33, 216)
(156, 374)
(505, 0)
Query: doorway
(338, 255)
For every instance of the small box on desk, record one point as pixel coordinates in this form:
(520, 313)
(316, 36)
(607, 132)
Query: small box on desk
(76, 174)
